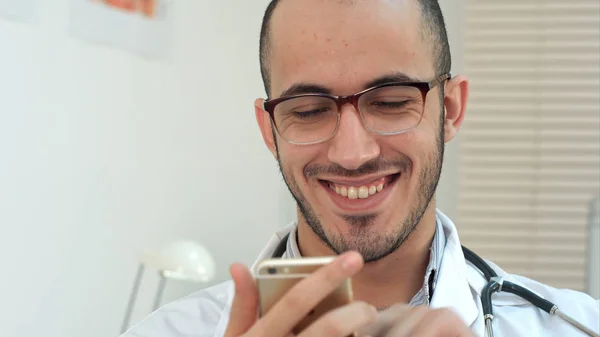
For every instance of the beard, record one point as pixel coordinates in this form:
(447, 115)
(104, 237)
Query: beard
(372, 245)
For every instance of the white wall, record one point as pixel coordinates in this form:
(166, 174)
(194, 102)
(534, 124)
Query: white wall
(103, 154)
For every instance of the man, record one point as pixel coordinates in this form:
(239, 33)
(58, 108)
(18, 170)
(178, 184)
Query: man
(364, 172)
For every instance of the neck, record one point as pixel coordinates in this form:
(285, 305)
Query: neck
(395, 278)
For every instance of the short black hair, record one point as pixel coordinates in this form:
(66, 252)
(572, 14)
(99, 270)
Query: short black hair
(433, 28)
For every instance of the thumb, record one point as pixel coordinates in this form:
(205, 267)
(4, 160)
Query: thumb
(244, 309)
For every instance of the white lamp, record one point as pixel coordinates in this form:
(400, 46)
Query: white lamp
(181, 260)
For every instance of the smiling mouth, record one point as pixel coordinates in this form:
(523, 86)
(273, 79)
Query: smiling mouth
(363, 190)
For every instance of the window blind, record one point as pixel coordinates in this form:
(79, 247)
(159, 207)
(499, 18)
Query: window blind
(530, 146)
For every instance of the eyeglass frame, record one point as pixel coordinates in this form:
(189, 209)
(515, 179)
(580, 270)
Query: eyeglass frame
(424, 87)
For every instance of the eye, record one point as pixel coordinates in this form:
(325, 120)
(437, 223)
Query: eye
(308, 114)
(391, 104)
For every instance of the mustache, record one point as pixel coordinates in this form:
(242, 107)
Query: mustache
(400, 163)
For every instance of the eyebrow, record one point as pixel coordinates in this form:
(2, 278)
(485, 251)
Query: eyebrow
(391, 78)
(305, 88)
(311, 88)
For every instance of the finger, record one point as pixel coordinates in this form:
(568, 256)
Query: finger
(386, 319)
(306, 294)
(244, 308)
(407, 322)
(441, 323)
(342, 322)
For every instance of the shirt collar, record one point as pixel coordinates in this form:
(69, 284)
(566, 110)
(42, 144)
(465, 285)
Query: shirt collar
(423, 296)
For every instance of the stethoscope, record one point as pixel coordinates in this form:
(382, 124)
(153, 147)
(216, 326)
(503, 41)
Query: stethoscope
(495, 284)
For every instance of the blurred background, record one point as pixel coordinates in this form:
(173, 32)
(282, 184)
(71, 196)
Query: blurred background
(105, 154)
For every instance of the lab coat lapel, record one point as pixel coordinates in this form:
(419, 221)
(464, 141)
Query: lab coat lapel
(452, 289)
(269, 249)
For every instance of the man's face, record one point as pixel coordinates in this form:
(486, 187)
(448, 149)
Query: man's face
(344, 47)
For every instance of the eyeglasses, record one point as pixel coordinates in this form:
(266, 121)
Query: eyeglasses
(387, 109)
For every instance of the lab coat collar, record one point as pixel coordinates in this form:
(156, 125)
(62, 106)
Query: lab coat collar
(271, 245)
(453, 290)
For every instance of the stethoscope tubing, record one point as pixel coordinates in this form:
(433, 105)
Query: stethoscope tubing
(497, 284)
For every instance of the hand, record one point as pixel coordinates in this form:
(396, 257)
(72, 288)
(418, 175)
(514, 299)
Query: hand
(404, 321)
(297, 303)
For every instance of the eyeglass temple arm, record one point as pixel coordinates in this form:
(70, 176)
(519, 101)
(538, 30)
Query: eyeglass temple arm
(439, 80)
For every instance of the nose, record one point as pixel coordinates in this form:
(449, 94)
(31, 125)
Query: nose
(352, 145)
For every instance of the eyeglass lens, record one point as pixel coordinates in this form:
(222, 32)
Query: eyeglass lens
(308, 119)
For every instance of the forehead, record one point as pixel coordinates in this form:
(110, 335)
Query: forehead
(342, 45)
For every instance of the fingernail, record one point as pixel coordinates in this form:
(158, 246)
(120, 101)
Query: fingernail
(351, 262)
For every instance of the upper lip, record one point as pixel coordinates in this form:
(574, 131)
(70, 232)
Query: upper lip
(365, 180)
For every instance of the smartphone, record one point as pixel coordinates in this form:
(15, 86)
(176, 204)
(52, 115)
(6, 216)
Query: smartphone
(275, 277)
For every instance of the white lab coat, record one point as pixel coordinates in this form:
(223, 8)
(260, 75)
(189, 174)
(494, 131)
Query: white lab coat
(206, 313)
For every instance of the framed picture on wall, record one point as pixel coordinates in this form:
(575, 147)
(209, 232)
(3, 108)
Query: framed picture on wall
(142, 27)
(147, 8)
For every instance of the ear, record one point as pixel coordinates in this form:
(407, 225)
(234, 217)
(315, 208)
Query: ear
(455, 101)
(264, 123)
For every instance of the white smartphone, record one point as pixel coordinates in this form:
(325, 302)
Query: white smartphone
(275, 277)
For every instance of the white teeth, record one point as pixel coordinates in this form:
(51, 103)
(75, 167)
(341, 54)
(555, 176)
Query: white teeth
(372, 190)
(352, 192)
(363, 192)
(343, 192)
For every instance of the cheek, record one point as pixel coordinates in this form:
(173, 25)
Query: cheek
(295, 158)
(426, 137)
(425, 149)
(419, 145)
